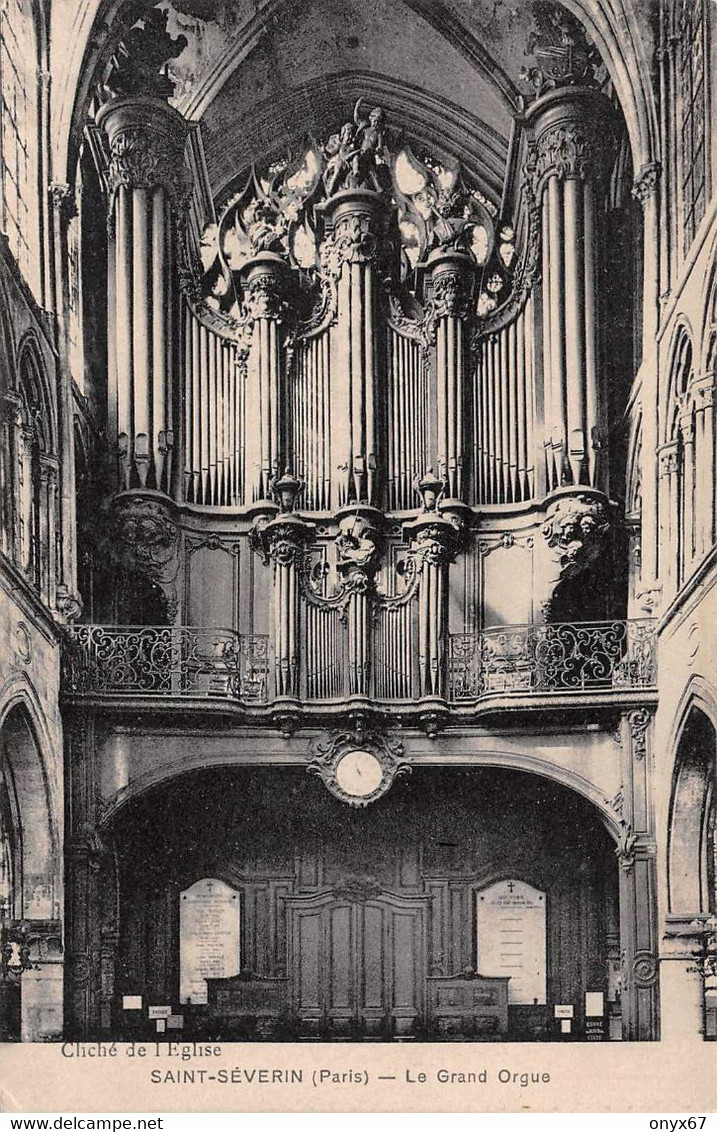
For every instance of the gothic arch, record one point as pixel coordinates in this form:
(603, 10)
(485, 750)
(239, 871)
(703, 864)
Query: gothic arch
(624, 56)
(690, 832)
(36, 834)
(33, 384)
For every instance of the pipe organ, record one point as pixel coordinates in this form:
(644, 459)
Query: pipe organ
(372, 340)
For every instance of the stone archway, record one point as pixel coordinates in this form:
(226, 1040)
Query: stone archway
(31, 897)
(692, 867)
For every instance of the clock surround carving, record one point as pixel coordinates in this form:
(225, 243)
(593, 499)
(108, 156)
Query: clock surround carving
(387, 754)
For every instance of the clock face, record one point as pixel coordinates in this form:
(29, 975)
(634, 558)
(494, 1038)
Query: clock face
(359, 773)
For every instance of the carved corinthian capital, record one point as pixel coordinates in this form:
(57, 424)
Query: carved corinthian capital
(146, 142)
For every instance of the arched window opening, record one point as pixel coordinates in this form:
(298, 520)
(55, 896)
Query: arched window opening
(693, 109)
(18, 133)
(35, 467)
(678, 470)
(692, 821)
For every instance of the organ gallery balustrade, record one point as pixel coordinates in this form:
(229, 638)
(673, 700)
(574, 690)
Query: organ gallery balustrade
(513, 660)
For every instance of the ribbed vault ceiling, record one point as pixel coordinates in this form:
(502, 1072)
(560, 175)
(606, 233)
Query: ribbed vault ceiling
(261, 80)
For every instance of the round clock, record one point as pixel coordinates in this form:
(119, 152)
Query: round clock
(359, 773)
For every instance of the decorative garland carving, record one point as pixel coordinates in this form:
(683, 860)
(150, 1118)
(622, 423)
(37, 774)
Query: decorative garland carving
(639, 721)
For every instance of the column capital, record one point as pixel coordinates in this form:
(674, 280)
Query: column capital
(146, 139)
(355, 222)
(645, 184)
(63, 200)
(265, 280)
(574, 129)
(668, 456)
(452, 278)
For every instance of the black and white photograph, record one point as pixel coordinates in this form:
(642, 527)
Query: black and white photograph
(358, 668)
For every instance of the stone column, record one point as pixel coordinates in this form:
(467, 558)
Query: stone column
(452, 280)
(63, 210)
(355, 222)
(645, 192)
(148, 185)
(669, 469)
(265, 279)
(573, 128)
(10, 504)
(638, 883)
(706, 481)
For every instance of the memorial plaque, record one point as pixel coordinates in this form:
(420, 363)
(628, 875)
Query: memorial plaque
(510, 928)
(209, 920)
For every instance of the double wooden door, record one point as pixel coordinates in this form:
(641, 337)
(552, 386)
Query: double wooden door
(358, 965)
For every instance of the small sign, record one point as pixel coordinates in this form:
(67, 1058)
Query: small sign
(564, 1011)
(159, 1011)
(594, 1004)
(131, 1001)
(161, 1025)
(175, 1021)
(566, 1026)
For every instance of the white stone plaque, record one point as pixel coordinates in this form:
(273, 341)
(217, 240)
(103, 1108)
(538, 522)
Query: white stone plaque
(510, 929)
(209, 921)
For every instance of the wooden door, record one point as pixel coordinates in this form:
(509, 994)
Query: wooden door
(358, 965)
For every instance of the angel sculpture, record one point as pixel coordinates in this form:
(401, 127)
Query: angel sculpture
(342, 152)
(372, 170)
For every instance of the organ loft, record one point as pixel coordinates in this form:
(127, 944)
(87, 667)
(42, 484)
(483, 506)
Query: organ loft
(385, 489)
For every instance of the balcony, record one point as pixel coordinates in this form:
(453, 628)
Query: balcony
(511, 666)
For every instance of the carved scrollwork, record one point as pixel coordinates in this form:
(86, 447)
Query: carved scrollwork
(381, 757)
(625, 849)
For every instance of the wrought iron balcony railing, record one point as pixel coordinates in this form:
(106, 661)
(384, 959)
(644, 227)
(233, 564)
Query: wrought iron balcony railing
(159, 661)
(537, 659)
(513, 660)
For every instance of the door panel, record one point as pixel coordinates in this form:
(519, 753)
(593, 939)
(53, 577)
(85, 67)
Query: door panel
(358, 965)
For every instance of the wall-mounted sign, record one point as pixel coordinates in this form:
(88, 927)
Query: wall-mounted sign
(131, 1001)
(159, 1011)
(175, 1022)
(208, 937)
(566, 1026)
(594, 1004)
(564, 1011)
(510, 930)
(161, 1025)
